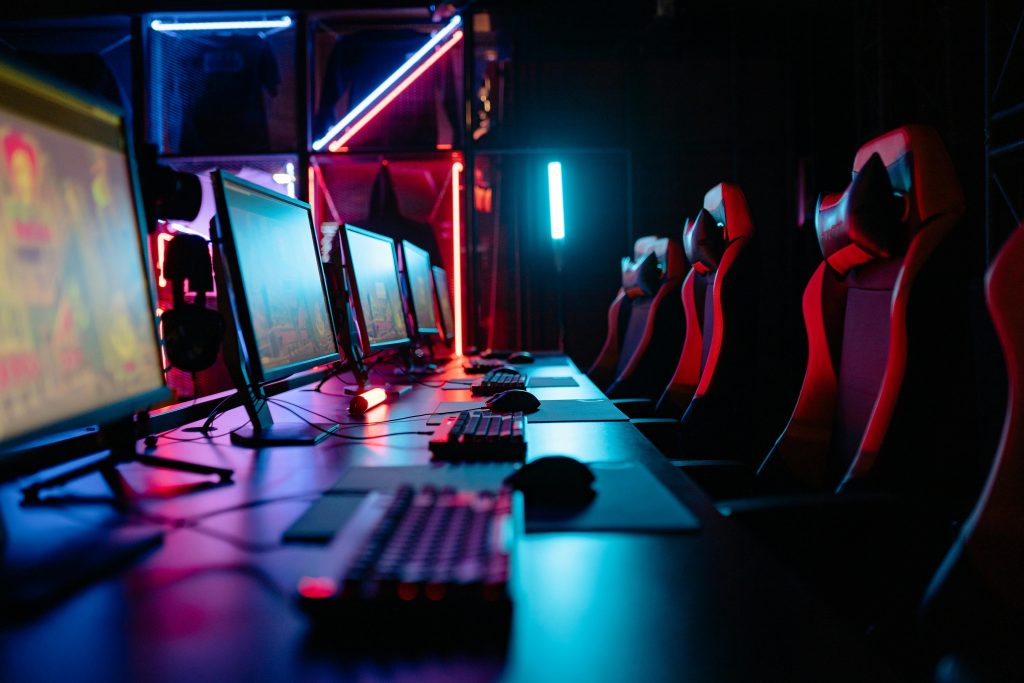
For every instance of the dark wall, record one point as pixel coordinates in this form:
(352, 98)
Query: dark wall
(767, 95)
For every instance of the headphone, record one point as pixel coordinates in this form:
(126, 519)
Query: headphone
(192, 332)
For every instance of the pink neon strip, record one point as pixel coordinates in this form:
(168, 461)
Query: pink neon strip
(399, 89)
(457, 252)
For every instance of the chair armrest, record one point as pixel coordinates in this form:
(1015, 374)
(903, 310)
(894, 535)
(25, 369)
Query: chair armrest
(869, 555)
(635, 407)
(720, 479)
(663, 432)
(824, 509)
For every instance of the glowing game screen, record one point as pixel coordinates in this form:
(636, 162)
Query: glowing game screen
(375, 276)
(282, 279)
(421, 287)
(77, 332)
(444, 301)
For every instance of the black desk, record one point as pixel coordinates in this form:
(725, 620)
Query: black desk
(215, 603)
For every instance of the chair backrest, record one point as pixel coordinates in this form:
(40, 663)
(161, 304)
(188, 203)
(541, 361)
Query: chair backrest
(977, 590)
(876, 238)
(644, 323)
(716, 366)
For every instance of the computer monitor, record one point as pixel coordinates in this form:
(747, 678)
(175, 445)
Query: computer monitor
(376, 292)
(78, 339)
(273, 289)
(419, 282)
(444, 303)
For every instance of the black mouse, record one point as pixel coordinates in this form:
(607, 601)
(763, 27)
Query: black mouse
(513, 400)
(554, 480)
(520, 357)
(508, 369)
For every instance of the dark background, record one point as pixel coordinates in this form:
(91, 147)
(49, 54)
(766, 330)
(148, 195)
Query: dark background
(666, 99)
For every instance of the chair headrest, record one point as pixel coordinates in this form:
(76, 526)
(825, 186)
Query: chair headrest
(704, 242)
(728, 206)
(656, 260)
(641, 277)
(864, 223)
(918, 167)
(669, 252)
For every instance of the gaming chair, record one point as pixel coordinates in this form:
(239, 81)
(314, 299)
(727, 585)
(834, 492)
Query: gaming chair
(714, 380)
(645, 322)
(886, 370)
(973, 611)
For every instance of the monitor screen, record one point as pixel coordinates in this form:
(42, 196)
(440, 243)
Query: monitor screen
(281, 301)
(378, 294)
(444, 302)
(421, 287)
(78, 340)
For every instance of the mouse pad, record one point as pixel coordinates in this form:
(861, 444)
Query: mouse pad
(566, 410)
(531, 383)
(484, 476)
(629, 498)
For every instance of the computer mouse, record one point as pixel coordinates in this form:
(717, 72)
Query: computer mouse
(554, 480)
(508, 369)
(521, 357)
(513, 400)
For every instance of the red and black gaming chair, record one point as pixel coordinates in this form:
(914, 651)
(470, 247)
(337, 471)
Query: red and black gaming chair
(645, 322)
(880, 401)
(973, 614)
(713, 383)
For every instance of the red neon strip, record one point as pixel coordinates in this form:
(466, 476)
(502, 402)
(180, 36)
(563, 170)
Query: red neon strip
(457, 252)
(358, 126)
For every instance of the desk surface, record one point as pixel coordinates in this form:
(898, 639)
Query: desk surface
(215, 602)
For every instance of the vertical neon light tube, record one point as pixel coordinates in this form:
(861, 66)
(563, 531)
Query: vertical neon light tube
(555, 200)
(311, 184)
(457, 252)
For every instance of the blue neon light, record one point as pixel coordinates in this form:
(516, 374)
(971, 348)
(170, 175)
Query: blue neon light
(388, 82)
(555, 200)
(157, 25)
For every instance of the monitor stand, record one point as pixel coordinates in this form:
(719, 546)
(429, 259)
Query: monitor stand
(263, 432)
(120, 437)
(414, 365)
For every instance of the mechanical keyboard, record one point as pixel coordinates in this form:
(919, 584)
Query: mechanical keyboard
(422, 553)
(480, 435)
(497, 381)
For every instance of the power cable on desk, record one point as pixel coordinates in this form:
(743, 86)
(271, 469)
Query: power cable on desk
(336, 434)
(346, 425)
(152, 439)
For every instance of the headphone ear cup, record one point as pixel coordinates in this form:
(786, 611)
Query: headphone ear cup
(192, 337)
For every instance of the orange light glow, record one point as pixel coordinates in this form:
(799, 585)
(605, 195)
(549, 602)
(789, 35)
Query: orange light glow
(368, 399)
(444, 145)
(457, 252)
(339, 144)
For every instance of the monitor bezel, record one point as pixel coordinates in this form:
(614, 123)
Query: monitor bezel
(420, 330)
(446, 334)
(16, 451)
(357, 302)
(239, 305)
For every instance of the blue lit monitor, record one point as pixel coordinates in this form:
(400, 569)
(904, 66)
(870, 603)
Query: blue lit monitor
(377, 294)
(78, 340)
(280, 296)
(420, 283)
(444, 302)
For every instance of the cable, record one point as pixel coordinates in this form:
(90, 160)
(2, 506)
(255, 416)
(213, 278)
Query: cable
(343, 436)
(360, 424)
